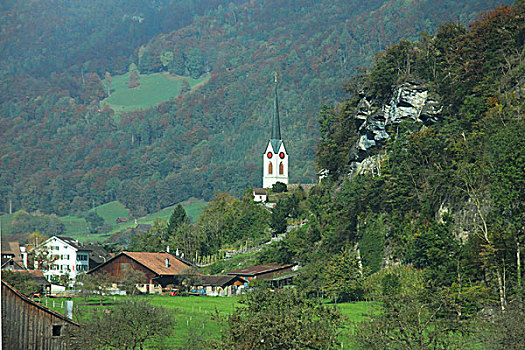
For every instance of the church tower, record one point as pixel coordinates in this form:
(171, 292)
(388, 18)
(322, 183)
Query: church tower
(275, 159)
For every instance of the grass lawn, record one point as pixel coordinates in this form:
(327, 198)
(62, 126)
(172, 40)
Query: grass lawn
(191, 311)
(196, 311)
(75, 225)
(154, 89)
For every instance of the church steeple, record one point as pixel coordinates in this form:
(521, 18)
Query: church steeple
(275, 158)
(276, 126)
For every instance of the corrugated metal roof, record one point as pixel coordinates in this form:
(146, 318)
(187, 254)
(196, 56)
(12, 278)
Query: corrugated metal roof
(259, 269)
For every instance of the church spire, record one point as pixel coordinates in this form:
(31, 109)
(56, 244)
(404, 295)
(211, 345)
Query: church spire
(276, 127)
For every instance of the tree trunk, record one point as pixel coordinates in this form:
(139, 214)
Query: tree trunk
(518, 264)
(500, 289)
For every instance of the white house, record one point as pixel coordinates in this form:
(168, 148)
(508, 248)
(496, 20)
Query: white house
(259, 195)
(68, 256)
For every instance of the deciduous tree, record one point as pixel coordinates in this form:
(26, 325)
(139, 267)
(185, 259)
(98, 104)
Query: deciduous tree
(280, 320)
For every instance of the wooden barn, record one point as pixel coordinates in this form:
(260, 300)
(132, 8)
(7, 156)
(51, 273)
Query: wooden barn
(27, 325)
(159, 269)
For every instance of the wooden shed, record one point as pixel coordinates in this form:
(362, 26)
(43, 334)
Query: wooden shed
(27, 325)
(265, 271)
(219, 285)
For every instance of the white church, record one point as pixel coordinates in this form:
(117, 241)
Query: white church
(275, 158)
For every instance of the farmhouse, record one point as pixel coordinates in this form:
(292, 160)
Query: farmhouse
(29, 325)
(265, 271)
(158, 269)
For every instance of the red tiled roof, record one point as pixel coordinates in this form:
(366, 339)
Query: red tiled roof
(257, 270)
(156, 262)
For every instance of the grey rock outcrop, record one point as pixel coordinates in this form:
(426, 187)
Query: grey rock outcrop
(410, 101)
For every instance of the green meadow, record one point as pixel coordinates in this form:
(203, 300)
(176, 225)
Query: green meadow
(195, 312)
(77, 227)
(154, 89)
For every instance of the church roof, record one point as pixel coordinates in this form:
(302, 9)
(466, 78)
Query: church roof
(276, 139)
(276, 144)
(276, 125)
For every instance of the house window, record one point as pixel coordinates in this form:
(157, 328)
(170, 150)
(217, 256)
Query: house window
(281, 168)
(270, 168)
(57, 330)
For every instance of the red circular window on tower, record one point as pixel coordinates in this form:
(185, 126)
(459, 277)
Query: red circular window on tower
(281, 155)
(269, 155)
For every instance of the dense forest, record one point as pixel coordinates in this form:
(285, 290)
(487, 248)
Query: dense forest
(63, 151)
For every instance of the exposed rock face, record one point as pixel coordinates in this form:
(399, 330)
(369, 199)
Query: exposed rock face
(410, 101)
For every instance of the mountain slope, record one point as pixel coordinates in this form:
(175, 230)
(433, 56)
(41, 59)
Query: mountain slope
(62, 151)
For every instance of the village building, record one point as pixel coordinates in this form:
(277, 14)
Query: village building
(158, 269)
(11, 251)
(268, 271)
(275, 157)
(219, 285)
(11, 264)
(260, 195)
(27, 325)
(68, 258)
(97, 255)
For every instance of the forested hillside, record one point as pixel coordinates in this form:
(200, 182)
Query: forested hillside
(433, 211)
(63, 151)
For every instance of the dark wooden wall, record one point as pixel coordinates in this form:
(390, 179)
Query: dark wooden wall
(117, 267)
(26, 325)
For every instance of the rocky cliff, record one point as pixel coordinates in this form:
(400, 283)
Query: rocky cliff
(411, 100)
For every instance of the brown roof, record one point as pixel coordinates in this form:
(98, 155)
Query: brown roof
(217, 280)
(11, 248)
(156, 262)
(259, 269)
(260, 191)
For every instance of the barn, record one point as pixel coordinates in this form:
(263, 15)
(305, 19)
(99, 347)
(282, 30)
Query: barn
(158, 269)
(27, 325)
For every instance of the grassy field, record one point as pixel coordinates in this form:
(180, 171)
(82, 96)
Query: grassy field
(77, 228)
(196, 312)
(154, 89)
(5, 221)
